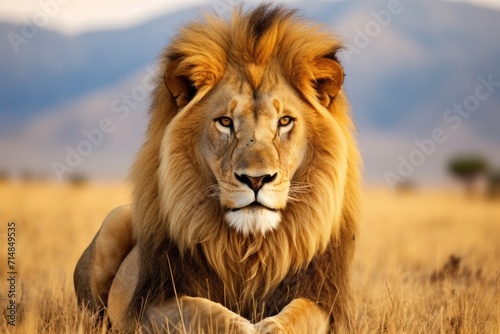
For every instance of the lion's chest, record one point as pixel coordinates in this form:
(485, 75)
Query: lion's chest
(250, 288)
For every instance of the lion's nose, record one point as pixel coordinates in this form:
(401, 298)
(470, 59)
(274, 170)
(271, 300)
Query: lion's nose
(255, 182)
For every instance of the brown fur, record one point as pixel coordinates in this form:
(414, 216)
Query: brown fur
(265, 37)
(99, 263)
(299, 272)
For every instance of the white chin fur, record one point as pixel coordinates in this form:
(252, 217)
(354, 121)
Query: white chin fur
(253, 221)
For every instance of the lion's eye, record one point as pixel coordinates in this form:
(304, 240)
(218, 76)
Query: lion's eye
(285, 124)
(225, 122)
(285, 121)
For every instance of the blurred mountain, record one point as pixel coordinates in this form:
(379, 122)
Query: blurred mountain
(51, 69)
(404, 70)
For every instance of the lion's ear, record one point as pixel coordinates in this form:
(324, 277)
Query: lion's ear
(328, 79)
(179, 84)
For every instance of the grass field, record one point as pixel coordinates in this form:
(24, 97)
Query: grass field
(427, 262)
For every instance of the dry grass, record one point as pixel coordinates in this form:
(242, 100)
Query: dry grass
(426, 263)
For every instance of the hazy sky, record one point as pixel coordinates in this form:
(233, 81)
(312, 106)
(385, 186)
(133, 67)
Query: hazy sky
(74, 16)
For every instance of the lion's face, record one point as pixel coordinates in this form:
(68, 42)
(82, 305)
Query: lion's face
(241, 117)
(254, 143)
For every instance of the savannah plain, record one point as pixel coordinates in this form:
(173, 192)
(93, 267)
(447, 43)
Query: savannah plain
(428, 261)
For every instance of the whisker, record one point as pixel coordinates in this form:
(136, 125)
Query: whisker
(297, 189)
(300, 187)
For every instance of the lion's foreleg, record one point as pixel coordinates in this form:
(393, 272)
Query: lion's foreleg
(99, 263)
(194, 315)
(300, 316)
(122, 289)
(178, 315)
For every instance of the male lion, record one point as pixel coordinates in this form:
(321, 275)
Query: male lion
(245, 193)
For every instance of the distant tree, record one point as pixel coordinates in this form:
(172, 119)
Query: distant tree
(78, 180)
(494, 184)
(406, 186)
(4, 175)
(27, 176)
(469, 169)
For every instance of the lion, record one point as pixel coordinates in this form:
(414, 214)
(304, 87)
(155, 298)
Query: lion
(245, 199)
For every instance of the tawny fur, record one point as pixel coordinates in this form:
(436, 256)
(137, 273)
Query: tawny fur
(185, 246)
(327, 214)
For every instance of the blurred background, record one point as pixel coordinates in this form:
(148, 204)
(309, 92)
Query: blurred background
(423, 78)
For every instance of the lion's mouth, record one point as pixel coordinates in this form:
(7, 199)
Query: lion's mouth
(254, 218)
(253, 206)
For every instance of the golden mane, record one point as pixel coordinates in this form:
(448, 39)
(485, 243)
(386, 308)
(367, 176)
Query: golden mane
(171, 194)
